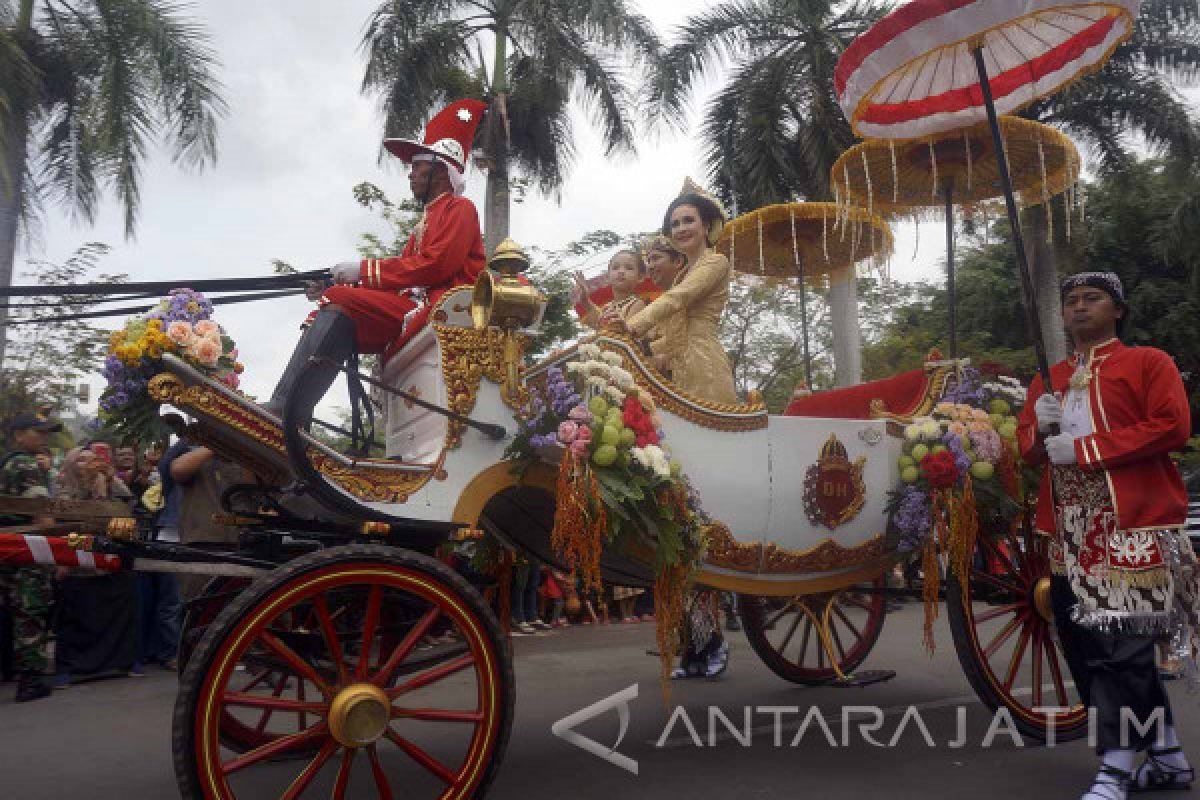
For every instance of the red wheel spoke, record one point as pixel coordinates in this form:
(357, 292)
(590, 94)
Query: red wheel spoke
(434, 675)
(274, 703)
(343, 776)
(303, 719)
(381, 781)
(306, 777)
(370, 625)
(998, 552)
(1056, 672)
(281, 745)
(1014, 664)
(266, 714)
(1003, 636)
(321, 609)
(779, 614)
(792, 632)
(1038, 635)
(1011, 588)
(440, 770)
(858, 602)
(302, 667)
(846, 621)
(406, 646)
(257, 679)
(991, 614)
(803, 639)
(437, 715)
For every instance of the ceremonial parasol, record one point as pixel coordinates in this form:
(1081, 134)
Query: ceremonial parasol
(937, 65)
(804, 241)
(940, 170)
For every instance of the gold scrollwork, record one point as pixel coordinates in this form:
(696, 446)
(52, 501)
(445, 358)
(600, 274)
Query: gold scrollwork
(468, 356)
(724, 551)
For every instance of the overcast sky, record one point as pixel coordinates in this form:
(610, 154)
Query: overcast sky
(299, 135)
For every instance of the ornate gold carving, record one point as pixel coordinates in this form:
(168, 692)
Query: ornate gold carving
(469, 355)
(715, 416)
(724, 551)
(935, 386)
(121, 529)
(367, 479)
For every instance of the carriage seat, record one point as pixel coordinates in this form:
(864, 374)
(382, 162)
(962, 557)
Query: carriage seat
(899, 397)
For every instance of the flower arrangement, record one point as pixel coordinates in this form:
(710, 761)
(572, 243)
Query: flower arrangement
(959, 470)
(617, 486)
(180, 324)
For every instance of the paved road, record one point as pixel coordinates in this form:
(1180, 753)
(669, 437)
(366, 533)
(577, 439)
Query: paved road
(111, 740)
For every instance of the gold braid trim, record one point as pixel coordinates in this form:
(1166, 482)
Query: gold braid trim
(469, 355)
(724, 551)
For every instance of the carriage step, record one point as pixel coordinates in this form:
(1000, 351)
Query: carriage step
(864, 677)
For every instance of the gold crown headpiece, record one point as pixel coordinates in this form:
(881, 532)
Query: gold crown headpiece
(661, 243)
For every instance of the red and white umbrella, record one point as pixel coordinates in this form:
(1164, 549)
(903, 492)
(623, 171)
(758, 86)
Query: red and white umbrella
(914, 73)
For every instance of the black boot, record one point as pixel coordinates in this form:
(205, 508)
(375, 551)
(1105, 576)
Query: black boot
(31, 687)
(331, 335)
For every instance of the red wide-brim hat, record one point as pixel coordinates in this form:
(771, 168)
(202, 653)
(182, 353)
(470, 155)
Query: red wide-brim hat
(449, 134)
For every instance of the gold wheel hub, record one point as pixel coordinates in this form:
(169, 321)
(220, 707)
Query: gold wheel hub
(1042, 601)
(359, 715)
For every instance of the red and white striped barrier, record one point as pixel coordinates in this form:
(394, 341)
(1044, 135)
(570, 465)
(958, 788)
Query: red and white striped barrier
(19, 549)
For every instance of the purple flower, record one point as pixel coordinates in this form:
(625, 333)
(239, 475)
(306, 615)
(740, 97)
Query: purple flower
(912, 519)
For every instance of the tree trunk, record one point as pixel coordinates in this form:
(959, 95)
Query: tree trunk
(847, 342)
(12, 175)
(496, 206)
(1043, 266)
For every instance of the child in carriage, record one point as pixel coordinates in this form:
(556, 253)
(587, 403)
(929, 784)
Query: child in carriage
(625, 272)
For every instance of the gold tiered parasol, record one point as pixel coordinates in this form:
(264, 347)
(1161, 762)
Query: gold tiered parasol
(805, 243)
(936, 172)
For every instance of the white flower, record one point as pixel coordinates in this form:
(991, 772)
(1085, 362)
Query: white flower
(597, 368)
(654, 451)
(615, 395)
(597, 382)
(622, 377)
(639, 455)
(589, 351)
(574, 368)
(612, 358)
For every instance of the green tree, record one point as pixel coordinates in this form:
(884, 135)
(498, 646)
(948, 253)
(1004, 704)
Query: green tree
(1134, 98)
(774, 128)
(424, 53)
(48, 361)
(85, 89)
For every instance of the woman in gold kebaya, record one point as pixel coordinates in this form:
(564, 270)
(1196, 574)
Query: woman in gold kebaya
(687, 315)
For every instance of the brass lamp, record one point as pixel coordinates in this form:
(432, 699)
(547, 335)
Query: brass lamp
(506, 303)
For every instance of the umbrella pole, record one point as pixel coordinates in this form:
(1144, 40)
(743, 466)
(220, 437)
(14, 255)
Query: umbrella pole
(804, 324)
(1014, 222)
(951, 296)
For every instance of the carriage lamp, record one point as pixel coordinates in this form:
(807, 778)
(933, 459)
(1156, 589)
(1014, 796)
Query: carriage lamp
(506, 303)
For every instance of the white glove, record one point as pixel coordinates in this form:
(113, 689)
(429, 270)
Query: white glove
(1049, 412)
(1061, 449)
(347, 272)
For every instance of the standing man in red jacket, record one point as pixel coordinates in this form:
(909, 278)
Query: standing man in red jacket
(1123, 568)
(374, 298)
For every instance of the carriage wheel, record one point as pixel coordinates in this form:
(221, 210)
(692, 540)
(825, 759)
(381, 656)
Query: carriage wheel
(1002, 632)
(360, 710)
(783, 633)
(216, 594)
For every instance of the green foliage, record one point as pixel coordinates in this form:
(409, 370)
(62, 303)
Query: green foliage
(46, 361)
(401, 219)
(421, 54)
(97, 83)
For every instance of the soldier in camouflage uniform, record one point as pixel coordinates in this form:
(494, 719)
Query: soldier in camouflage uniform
(27, 590)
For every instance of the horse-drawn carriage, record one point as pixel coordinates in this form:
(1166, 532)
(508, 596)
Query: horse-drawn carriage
(311, 646)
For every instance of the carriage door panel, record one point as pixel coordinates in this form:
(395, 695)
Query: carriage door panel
(415, 435)
(830, 479)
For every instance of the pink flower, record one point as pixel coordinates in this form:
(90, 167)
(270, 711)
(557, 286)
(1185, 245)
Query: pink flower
(180, 333)
(584, 434)
(567, 431)
(230, 379)
(206, 327)
(957, 428)
(581, 414)
(579, 447)
(206, 351)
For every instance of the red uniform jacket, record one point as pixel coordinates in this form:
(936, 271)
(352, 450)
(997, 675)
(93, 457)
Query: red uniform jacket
(449, 254)
(1139, 415)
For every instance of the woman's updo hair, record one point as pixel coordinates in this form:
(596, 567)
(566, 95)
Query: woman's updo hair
(710, 214)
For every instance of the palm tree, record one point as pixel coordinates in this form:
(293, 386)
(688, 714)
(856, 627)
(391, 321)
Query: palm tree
(773, 131)
(1134, 95)
(544, 53)
(85, 87)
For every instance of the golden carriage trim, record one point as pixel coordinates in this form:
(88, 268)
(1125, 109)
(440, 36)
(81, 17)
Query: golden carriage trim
(935, 387)
(469, 355)
(715, 416)
(725, 552)
(366, 479)
(834, 491)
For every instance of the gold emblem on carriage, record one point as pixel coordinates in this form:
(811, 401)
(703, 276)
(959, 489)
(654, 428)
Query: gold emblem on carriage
(833, 487)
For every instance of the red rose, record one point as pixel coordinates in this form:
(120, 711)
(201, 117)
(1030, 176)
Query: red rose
(940, 470)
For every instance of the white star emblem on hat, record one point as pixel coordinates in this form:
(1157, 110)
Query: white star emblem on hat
(464, 115)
